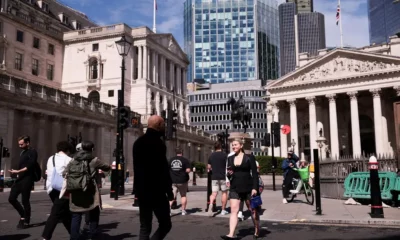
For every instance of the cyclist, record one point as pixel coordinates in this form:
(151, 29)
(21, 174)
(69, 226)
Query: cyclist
(288, 174)
(302, 164)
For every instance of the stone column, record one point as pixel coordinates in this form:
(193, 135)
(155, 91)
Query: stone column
(155, 67)
(355, 125)
(333, 126)
(157, 103)
(162, 71)
(293, 125)
(275, 109)
(55, 129)
(187, 114)
(165, 102)
(68, 126)
(140, 62)
(172, 77)
(378, 121)
(184, 79)
(270, 112)
(282, 121)
(145, 63)
(313, 125)
(181, 113)
(43, 145)
(149, 68)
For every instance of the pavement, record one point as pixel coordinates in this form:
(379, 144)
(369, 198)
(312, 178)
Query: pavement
(119, 224)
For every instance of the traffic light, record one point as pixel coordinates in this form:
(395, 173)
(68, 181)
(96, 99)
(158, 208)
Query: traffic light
(124, 117)
(266, 141)
(6, 152)
(277, 133)
(171, 123)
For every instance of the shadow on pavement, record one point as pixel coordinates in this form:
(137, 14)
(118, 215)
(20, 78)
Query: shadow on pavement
(118, 237)
(250, 231)
(396, 237)
(15, 237)
(107, 227)
(37, 224)
(194, 210)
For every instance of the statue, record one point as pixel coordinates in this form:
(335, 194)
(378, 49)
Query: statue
(240, 112)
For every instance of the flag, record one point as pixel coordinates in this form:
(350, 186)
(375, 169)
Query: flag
(155, 4)
(338, 15)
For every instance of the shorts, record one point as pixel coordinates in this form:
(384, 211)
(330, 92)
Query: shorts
(181, 187)
(217, 185)
(240, 196)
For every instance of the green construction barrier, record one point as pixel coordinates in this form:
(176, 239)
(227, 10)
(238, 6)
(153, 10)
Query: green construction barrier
(397, 185)
(356, 185)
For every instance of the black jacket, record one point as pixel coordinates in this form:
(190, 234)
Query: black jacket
(27, 158)
(245, 176)
(150, 167)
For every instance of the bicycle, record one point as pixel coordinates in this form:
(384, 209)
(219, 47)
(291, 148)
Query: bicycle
(301, 183)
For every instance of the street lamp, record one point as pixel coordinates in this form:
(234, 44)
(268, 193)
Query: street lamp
(123, 47)
(320, 141)
(189, 145)
(293, 143)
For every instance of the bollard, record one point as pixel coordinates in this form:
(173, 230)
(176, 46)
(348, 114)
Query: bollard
(114, 180)
(194, 177)
(135, 202)
(318, 207)
(376, 198)
(2, 181)
(209, 191)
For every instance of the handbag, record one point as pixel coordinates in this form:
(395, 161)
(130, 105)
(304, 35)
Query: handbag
(57, 180)
(255, 202)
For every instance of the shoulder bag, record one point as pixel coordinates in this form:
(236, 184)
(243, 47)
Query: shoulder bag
(57, 179)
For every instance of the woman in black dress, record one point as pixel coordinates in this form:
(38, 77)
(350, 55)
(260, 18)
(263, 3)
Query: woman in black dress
(243, 176)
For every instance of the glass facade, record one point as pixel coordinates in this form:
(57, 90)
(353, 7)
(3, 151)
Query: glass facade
(384, 20)
(303, 6)
(311, 29)
(232, 40)
(287, 13)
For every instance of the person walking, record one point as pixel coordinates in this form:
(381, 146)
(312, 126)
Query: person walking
(56, 165)
(127, 176)
(88, 198)
(179, 170)
(24, 182)
(217, 166)
(242, 172)
(152, 180)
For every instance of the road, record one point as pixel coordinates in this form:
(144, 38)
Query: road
(118, 225)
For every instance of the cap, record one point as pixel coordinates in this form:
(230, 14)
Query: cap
(79, 147)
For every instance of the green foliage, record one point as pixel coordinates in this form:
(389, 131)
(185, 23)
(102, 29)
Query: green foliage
(200, 167)
(266, 164)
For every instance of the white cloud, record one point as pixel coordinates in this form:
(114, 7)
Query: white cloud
(170, 25)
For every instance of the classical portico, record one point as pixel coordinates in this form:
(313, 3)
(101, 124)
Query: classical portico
(347, 96)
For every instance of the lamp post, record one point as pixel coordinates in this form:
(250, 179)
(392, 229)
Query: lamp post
(123, 47)
(293, 143)
(320, 141)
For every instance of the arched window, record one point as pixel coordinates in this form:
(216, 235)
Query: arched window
(94, 96)
(93, 68)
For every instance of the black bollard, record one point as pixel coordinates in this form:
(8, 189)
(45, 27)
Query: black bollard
(194, 177)
(376, 198)
(114, 182)
(2, 181)
(317, 185)
(209, 191)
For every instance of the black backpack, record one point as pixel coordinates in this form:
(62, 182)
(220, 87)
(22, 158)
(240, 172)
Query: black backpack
(37, 172)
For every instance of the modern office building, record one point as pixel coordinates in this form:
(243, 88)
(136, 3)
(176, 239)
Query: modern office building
(299, 33)
(232, 40)
(384, 20)
(209, 109)
(303, 6)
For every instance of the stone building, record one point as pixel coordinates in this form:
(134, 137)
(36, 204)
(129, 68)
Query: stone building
(351, 97)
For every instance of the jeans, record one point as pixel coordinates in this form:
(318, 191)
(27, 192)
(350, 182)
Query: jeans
(59, 211)
(160, 207)
(287, 182)
(23, 187)
(93, 223)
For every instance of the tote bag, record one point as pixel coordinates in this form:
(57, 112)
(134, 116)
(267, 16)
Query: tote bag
(57, 179)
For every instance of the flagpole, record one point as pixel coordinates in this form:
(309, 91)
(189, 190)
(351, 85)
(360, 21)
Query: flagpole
(340, 25)
(154, 16)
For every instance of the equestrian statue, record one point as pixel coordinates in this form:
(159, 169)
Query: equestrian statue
(239, 113)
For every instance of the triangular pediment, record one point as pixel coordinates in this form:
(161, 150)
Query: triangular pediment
(169, 42)
(339, 64)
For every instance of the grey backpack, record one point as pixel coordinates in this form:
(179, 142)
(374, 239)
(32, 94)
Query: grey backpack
(78, 175)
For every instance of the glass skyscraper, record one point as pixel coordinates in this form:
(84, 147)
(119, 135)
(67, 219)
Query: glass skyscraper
(384, 20)
(232, 40)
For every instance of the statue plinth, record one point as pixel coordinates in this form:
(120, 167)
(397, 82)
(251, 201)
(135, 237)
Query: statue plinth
(244, 137)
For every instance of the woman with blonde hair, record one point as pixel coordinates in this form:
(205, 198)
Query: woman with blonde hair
(243, 176)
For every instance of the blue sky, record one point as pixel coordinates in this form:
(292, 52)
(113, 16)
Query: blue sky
(170, 17)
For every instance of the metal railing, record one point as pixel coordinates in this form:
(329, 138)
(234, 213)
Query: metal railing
(334, 172)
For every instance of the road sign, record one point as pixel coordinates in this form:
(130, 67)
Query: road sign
(285, 129)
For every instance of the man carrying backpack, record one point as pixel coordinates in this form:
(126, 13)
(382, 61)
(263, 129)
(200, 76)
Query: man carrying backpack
(23, 184)
(84, 193)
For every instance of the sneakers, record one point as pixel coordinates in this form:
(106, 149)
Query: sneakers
(294, 191)
(23, 223)
(240, 216)
(210, 212)
(284, 201)
(224, 212)
(184, 212)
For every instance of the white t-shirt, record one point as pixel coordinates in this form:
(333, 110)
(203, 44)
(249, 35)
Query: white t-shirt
(61, 161)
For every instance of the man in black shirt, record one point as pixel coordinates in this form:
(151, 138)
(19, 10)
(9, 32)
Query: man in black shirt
(152, 181)
(217, 166)
(180, 169)
(24, 182)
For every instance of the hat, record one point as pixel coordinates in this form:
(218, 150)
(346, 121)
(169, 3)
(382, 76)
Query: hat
(290, 152)
(79, 147)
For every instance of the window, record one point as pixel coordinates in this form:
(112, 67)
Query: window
(78, 25)
(35, 66)
(64, 19)
(36, 42)
(50, 49)
(93, 68)
(20, 36)
(45, 7)
(18, 61)
(95, 47)
(110, 93)
(94, 96)
(50, 71)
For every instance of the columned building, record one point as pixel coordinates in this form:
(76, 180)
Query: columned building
(351, 97)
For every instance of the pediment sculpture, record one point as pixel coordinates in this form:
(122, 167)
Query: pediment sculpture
(341, 66)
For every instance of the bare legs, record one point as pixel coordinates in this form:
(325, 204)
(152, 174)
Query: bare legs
(233, 220)
(255, 217)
